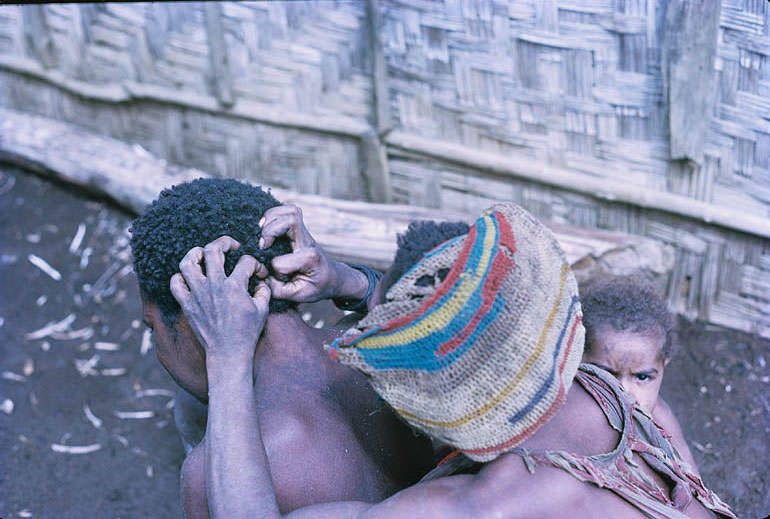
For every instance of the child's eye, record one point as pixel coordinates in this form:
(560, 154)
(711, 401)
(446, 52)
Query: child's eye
(642, 377)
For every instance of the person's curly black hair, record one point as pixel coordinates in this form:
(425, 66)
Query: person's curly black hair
(626, 303)
(418, 239)
(193, 214)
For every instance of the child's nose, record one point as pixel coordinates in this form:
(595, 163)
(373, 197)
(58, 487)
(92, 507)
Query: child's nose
(628, 385)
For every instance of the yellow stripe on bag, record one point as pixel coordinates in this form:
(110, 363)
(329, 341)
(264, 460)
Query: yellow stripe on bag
(514, 383)
(441, 317)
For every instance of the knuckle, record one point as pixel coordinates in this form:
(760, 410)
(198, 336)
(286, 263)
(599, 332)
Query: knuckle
(191, 254)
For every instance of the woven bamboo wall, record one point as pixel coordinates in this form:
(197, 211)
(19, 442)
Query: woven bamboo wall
(644, 116)
(168, 77)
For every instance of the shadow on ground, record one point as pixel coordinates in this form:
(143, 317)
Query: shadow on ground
(78, 374)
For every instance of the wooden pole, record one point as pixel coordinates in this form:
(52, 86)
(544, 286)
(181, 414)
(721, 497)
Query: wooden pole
(220, 67)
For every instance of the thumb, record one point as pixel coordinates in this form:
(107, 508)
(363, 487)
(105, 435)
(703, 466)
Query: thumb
(280, 289)
(261, 297)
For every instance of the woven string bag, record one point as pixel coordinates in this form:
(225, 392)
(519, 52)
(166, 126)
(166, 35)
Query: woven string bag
(484, 357)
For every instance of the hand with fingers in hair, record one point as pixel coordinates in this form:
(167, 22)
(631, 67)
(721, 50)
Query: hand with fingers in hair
(308, 273)
(226, 319)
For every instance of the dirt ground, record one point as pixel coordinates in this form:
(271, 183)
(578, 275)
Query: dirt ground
(78, 372)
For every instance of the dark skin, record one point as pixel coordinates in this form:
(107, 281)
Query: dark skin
(315, 414)
(227, 322)
(316, 417)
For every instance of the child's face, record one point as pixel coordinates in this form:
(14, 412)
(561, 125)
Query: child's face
(633, 357)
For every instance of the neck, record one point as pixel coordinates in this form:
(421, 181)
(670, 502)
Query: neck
(287, 336)
(291, 351)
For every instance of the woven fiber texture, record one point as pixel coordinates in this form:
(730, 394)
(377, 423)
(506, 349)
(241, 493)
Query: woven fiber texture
(485, 357)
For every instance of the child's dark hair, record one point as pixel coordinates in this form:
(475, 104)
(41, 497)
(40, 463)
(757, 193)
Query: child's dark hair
(191, 215)
(419, 238)
(626, 303)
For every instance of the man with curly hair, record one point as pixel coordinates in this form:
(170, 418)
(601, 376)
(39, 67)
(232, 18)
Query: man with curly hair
(629, 333)
(328, 436)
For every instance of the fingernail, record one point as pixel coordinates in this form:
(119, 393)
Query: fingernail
(261, 243)
(262, 222)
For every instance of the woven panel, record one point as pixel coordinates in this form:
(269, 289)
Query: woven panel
(738, 146)
(301, 57)
(308, 56)
(578, 84)
(11, 30)
(571, 83)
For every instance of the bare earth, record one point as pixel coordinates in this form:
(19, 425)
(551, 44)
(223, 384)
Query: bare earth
(87, 382)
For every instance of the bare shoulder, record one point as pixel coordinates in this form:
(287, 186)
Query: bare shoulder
(445, 498)
(193, 484)
(506, 488)
(304, 443)
(665, 418)
(663, 410)
(503, 488)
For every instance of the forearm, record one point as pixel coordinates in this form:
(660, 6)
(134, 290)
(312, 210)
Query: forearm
(238, 480)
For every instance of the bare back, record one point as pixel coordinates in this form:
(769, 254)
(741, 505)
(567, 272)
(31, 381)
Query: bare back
(327, 436)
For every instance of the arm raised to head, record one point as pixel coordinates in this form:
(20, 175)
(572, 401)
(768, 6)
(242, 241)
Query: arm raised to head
(228, 322)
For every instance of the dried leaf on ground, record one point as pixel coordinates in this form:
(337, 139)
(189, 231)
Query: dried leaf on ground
(51, 328)
(91, 417)
(76, 449)
(78, 238)
(134, 415)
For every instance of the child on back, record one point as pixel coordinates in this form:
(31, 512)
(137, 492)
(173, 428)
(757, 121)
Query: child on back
(628, 333)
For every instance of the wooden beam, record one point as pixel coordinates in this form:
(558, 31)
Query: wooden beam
(688, 50)
(375, 157)
(602, 188)
(382, 114)
(375, 168)
(221, 79)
